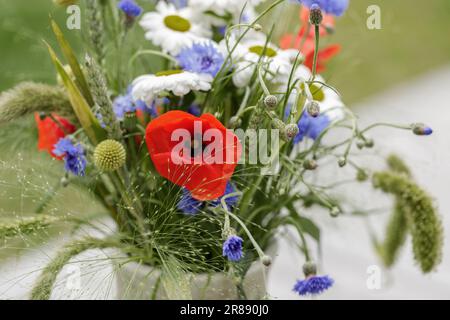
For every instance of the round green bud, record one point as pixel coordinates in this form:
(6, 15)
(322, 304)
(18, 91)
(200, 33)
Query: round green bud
(65, 181)
(309, 269)
(335, 212)
(342, 162)
(109, 155)
(257, 27)
(310, 164)
(369, 143)
(313, 109)
(291, 130)
(266, 260)
(360, 144)
(271, 102)
(362, 175)
(235, 122)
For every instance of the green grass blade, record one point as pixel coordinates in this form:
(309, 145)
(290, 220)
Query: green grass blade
(73, 62)
(81, 108)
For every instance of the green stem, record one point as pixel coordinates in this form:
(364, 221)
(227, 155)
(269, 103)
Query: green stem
(316, 49)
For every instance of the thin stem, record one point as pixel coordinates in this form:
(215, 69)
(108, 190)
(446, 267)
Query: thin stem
(316, 49)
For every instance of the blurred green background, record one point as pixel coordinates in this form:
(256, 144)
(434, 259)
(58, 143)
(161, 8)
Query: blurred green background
(414, 39)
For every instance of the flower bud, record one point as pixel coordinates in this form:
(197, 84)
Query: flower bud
(309, 269)
(109, 155)
(362, 175)
(130, 120)
(335, 212)
(235, 122)
(421, 129)
(313, 109)
(360, 144)
(315, 15)
(257, 27)
(310, 164)
(369, 143)
(342, 162)
(65, 181)
(291, 130)
(266, 260)
(271, 102)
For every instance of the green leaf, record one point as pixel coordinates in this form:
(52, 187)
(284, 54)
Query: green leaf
(81, 108)
(73, 62)
(303, 224)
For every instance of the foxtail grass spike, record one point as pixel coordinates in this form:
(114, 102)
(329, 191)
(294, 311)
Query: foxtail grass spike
(97, 83)
(424, 222)
(30, 97)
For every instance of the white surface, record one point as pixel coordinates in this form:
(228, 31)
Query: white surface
(346, 248)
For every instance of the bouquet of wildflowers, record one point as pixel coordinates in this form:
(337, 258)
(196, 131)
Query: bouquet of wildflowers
(200, 131)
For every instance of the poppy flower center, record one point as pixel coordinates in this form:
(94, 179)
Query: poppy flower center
(166, 73)
(263, 51)
(177, 23)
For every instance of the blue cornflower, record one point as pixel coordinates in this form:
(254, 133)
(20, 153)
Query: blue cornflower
(313, 285)
(130, 8)
(74, 158)
(333, 7)
(232, 248)
(195, 110)
(125, 103)
(311, 127)
(188, 205)
(201, 58)
(179, 3)
(230, 201)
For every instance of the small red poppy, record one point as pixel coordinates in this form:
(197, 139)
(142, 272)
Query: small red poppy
(204, 176)
(50, 132)
(306, 43)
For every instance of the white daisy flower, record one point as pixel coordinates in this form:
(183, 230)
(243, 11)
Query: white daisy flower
(173, 29)
(276, 63)
(178, 82)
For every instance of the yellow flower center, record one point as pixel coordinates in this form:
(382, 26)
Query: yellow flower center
(177, 23)
(168, 73)
(263, 51)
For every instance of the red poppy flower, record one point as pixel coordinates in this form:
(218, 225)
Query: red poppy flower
(174, 139)
(307, 47)
(50, 132)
